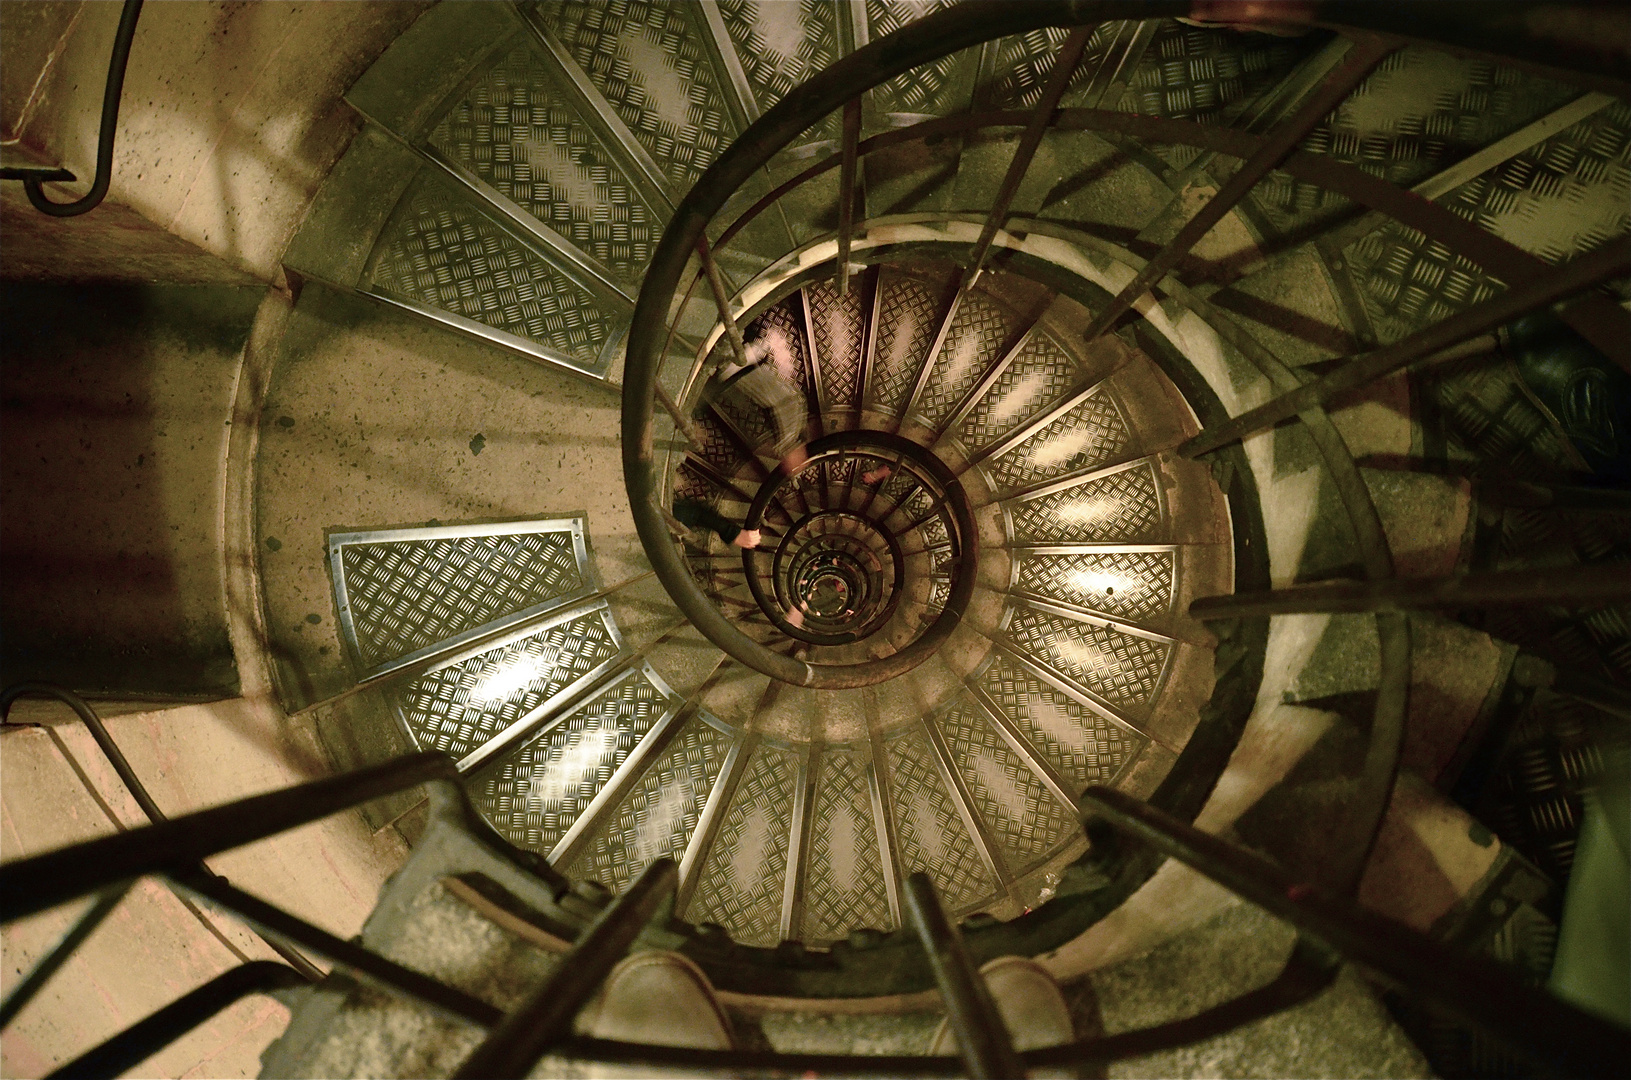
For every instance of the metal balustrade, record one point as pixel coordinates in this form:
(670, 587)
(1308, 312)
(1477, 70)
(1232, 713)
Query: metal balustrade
(825, 522)
(1556, 1037)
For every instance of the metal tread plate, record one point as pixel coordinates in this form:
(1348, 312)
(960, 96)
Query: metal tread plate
(443, 256)
(402, 593)
(475, 704)
(537, 792)
(844, 887)
(742, 883)
(659, 814)
(519, 130)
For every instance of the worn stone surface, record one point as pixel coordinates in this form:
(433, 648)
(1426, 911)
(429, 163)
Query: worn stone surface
(371, 422)
(231, 113)
(114, 244)
(895, 1033)
(114, 461)
(373, 1034)
(1344, 1032)
(56, 788)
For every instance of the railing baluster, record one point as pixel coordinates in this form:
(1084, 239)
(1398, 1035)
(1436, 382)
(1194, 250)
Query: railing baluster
(375, 968)
(1595, 585)
(1588, 270)
(1064, 67)
(33, 884)
(1367, 53)
(982, 1039)
(87, 923)
(138, 791)
(1560, 1038)
(545, 1018)
(846, 191)
(148, 1036)
(722, 300)
(681, 424)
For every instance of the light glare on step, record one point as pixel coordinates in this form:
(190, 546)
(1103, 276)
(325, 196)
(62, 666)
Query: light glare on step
(508, 678)
(1097, 581)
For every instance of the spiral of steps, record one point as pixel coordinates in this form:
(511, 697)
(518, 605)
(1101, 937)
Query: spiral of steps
(976, 462)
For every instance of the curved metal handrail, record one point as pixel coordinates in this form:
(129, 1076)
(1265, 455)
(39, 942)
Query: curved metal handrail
(755, 148)
(112, 95)
(783, 553)
(138, 791)
(926, 41)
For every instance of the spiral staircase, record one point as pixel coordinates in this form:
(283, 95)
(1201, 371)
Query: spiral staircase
(972, 598)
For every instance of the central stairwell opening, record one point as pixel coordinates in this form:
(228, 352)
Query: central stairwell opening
(1092, 485)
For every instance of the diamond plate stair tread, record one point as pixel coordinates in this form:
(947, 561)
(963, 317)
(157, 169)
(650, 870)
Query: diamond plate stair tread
(979, 334)
(742, 882)
(779, 43)
(1023, 815)
(844, 888)
(1127, 585)
(659, 815)
(1039, 376)
(439, 251)
(909, 318)
(786, 322)
(931, 833)
(517, 130)
(1122, 506)
(540, 789)
(1077, 741)
(1559, 199)
(718, 450)
(1406, 281)
(1419, 112)
(648, 61)
(1026, 61)
(1206, 74)
(441, 708)
(406, 595)
(840, 339)
(1563, 197)
(1121, 668)
(928, 89)
(748, 418)
(1092, 433)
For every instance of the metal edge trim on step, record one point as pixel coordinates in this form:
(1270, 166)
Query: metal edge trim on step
(336, 543)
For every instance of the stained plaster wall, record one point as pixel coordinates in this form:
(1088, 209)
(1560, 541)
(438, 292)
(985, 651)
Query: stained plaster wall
(231, 115)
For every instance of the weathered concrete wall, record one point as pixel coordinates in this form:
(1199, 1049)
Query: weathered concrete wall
(231, 114)
(113, 243)
(56, 788)
(117, 406)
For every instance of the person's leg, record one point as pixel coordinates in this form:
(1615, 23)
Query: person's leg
(696, 514)
(660, 998)
(1030, 1003)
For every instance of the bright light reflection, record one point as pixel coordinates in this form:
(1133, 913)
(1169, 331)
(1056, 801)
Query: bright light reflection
(1088, 511)
(1057, 724)
(1083, 655)
(508, 678)
(1061, 448)
(1097, 581)
(572, 768)
(1018, 399)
